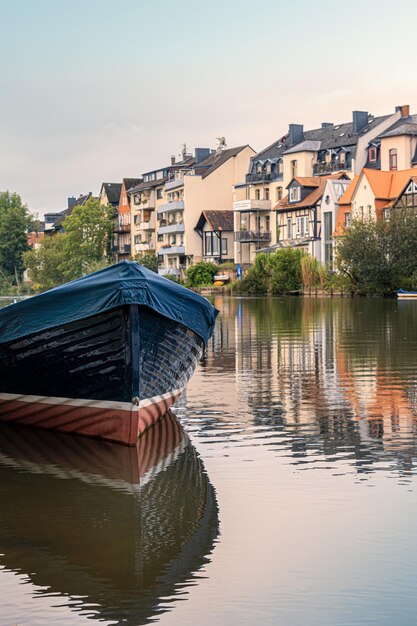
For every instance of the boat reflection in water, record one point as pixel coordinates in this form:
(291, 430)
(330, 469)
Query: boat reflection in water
(113, 528)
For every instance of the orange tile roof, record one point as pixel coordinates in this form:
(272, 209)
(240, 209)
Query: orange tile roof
(388, 185)
(346, 198)
(318, 182)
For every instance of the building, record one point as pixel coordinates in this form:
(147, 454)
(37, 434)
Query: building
(299, 153)
(54, 222)
(334, 190)
(299, 217)
(395, 148)
(216, 231)
(121, 230)
(205, 183)
(110, 194)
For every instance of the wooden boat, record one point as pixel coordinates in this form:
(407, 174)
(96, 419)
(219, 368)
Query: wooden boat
(402, 294)
(110, 529)
(104, 356)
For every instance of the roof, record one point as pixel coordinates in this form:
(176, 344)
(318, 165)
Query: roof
(339, 135)
(404, 126)
(313, 197)
(216, 160)
(388, 185)
(81, 201)
(131, 182)
(307, 181)
(347, 196)
(305, 146)
(112, 191)
(122, 284)
(148, 185)
(217, 220)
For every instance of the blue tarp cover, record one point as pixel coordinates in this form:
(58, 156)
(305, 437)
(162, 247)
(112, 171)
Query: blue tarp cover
(124, 283)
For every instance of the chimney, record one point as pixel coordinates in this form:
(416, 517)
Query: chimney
(295, 133)
(405, 110)
(172, 159)
(201, 154)
(327, 124)
(71, 202)
(360, 120)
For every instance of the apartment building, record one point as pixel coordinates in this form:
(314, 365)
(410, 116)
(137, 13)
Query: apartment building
(122, 246)
(204, 183)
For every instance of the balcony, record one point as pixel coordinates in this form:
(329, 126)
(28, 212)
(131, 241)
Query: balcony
(249, 236)
(178, 205)
(328, 168)
(122, 228)
(252, 205)
(171, 250)
(170, 271)
(146, 225)
(145, 246)
(173, 184)
(177, 227)
(263, 177)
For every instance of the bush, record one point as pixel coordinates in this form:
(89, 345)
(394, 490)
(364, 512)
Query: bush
(201, 273)
(310, 271)
(276, 274)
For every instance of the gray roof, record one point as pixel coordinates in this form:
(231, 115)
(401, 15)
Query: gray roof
(148, 185)
(215, 160)
(404, 126)
(112, 192)
(305, 146)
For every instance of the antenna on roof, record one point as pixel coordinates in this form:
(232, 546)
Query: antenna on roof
(184, 151)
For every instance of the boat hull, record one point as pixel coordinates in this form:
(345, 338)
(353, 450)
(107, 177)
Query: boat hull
(109, 377)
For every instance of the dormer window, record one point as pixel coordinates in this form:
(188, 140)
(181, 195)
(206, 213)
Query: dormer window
(372, 154)
(294, 194)
(279, 168)
(259, 168)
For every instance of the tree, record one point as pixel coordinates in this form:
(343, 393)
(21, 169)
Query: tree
(86, 237)
(202, 273)
(15, 222)
(45, 264)
(275, 273)
(150, 261)
(380, 257)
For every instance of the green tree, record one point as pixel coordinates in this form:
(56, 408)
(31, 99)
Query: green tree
(45, 264)
(380, 257)
(150, 261)
(275, 273)
(201, 273)
(15, 222)
(86, 237)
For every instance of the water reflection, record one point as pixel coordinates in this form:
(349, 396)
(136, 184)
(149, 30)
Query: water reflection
(317, 377)
(114, 528)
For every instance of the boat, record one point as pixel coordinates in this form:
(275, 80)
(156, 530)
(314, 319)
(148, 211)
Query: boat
(108, 530)
(402, 294)
(103, 356)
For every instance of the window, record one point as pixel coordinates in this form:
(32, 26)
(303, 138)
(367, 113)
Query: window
(386, 214)
(267, 223)
(257, 194)
(159, 193)
(347, 219)
(372, 155)
(294, 194)
(279, 193)
(393, 159)
(361, 215)
(369, 207)
(294, 169)
(302, 226)
(266, 194)
(289, 228)
(328, 244)
(224, 246)
(279, 168)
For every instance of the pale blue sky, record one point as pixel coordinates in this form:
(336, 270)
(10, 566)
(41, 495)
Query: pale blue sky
(94, 90)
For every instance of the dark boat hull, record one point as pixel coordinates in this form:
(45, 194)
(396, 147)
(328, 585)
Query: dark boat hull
(110, 376)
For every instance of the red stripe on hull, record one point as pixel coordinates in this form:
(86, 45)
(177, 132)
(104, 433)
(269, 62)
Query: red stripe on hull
(121, 426)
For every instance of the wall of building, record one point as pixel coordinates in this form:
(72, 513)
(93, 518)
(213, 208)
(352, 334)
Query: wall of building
(364, 197)
(405, 146)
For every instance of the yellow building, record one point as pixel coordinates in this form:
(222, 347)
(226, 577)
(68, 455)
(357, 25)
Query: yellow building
(203, 183)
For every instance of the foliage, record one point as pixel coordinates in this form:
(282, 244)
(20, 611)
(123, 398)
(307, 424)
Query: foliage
(45, 264)
(150, 261)
(275, 274)
(380, 257)
(229, 265)
(172, 277)
(86, 237)
(201, 273)
(312, 272)
(15, 222)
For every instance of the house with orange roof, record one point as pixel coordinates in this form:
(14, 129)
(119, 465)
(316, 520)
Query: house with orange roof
(299, 213)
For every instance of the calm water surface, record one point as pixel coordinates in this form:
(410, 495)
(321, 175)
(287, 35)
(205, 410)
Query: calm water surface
(286, 497)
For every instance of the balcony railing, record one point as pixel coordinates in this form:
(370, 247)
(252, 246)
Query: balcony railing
(174, 249)
(122, 228)
(263, 177)
(175, 227)
(252, 235)
(326, 168)
(177, 205)
(252, 205)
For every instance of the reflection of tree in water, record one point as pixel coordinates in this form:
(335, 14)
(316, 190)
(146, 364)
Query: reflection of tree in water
(337, 377)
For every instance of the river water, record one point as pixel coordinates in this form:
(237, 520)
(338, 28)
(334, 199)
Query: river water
(283, 494)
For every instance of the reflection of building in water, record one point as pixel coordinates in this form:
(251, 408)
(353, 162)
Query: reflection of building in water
(112, 527)
(334, 374)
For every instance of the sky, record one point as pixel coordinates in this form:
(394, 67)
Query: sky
(98, 90)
